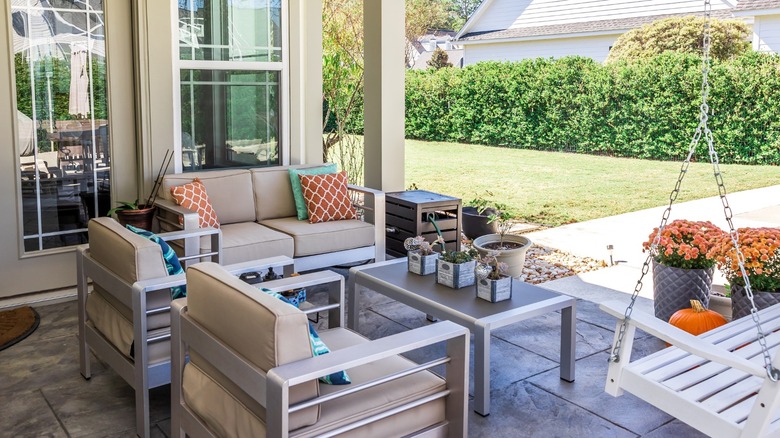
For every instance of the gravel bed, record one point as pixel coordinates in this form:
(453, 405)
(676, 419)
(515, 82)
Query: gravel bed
(544, 264)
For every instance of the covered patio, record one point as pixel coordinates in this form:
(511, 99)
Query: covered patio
(41, 377)
(48, 396)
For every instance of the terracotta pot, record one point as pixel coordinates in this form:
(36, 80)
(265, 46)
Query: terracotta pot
(141, 218)
(674, 288)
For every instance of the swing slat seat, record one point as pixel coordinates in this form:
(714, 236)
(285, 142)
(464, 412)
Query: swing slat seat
(715, 382)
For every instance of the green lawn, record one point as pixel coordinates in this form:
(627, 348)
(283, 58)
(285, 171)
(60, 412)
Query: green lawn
(554, 188)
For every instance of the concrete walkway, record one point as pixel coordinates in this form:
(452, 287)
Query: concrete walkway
(626, 232)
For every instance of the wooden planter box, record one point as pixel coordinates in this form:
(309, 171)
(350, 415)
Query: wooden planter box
(422, 264)
(454, 275)
(495, 290)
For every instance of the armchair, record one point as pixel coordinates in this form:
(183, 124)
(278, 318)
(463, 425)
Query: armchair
(243, 366)
(124, 318)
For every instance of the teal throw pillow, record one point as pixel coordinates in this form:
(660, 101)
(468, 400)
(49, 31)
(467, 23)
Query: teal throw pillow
(318, 347)
(295, 180)
(171, 260)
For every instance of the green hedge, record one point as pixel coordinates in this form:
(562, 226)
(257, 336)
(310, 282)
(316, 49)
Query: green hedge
(644, 109)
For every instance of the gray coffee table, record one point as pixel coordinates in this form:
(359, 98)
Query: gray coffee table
(461, 306)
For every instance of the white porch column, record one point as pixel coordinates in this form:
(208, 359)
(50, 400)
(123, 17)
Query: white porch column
(305, 81)
(384, 94)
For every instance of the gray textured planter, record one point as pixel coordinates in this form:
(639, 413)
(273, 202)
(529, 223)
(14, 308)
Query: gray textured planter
(454, 275)
(494, 290)
(422, 264)
(674, 288)
(740, 304)
(514, 258)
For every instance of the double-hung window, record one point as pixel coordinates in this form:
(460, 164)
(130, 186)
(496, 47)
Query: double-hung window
(232, 75)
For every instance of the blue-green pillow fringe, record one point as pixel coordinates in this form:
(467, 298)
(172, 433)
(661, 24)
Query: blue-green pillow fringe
(172, 263)
(318, 347)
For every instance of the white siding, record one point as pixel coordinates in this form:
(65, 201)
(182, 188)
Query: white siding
(596, 47)
(509, 14)
(767, 33)
(499, 15)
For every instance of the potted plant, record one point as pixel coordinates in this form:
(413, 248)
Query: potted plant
(760, 248)
(682, 266)
(421, 258)
(141, 215)
(456, 268)
(511, 248)
(132, 213)
(475, 218)
(493, 283)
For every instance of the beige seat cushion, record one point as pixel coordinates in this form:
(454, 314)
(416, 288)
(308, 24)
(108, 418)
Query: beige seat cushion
(261, 328)
(324, 237)
(229, 191)
(246, 241)
(132, 258)
(112, 323)
(227, 413)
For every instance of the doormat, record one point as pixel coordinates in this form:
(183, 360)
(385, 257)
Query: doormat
(17, 324)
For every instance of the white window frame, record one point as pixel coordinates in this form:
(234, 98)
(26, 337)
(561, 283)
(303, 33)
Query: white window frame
(282, 67)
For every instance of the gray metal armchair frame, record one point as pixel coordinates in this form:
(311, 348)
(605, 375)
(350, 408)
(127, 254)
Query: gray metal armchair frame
(137, 372)
(271, 390)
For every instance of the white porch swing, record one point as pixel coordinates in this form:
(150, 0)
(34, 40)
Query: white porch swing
(724, 382)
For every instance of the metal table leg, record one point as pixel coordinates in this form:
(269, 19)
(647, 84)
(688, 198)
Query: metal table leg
(482, 370)
(568, 341)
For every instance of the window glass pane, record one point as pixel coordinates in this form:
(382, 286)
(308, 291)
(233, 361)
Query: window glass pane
(62, 119)
(229, 118)
(230, 30)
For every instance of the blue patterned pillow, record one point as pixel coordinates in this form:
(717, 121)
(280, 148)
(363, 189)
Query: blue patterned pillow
(318, 347)
(171, 260)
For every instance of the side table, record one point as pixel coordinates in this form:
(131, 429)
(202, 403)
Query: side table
(407, 215)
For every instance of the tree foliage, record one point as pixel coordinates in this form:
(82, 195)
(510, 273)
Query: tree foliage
(681, 34)
(421, 17)
(460, 11)
(342, 69)
(439, 59)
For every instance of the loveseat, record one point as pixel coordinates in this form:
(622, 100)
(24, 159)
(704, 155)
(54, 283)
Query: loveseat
(257, 216)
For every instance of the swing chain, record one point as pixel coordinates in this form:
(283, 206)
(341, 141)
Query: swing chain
(615, 356)
(701, 129)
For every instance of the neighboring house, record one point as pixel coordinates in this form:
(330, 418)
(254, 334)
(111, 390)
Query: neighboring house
(511, 30)
(766, 22)
(422, 49)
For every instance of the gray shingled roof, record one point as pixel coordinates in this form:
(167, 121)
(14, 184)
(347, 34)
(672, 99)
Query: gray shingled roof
(621, 24)
(752, 5)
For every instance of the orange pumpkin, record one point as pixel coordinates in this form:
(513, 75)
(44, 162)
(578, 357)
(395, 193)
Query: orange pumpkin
(697, 319)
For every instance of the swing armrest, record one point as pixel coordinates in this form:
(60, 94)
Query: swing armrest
(682, 340)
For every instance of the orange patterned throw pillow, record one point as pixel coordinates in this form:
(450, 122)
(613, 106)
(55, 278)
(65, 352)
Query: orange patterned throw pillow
(193, 196)
(326, 197)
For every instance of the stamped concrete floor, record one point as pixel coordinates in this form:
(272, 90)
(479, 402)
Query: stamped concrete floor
(43, 393)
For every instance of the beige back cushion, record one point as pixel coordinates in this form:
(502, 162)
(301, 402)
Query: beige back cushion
(273, 191)
(128, 255)
(229, 191)
(261, 328)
